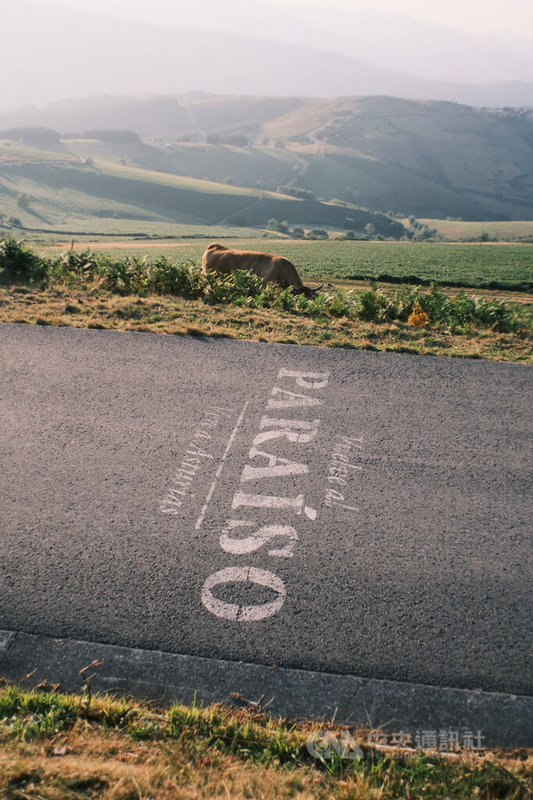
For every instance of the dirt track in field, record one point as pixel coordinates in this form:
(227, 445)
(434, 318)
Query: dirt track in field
(128, 244)
(143, 243)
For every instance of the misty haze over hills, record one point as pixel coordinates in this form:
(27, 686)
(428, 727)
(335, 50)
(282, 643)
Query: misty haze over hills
(388, 40)
(362, 109)
(51, 53)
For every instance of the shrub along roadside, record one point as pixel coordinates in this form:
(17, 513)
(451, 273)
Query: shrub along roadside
(139, 276)
(18, 264)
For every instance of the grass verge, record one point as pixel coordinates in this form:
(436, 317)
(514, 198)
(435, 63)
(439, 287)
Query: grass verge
(54, 745)
(176, 316)
(131, 293)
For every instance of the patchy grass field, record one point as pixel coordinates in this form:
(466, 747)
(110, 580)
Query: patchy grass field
(118, 230)
(468, 265)
(59, 192)
(55, 746)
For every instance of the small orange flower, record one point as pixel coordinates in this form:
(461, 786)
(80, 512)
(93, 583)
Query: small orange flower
(418, 318)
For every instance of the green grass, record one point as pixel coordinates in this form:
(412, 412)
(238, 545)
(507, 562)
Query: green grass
(180, 181)
(54, 745)
(16, 154)
(169, 315)
(431, 159)
(69, 195)
(88, 229)
(475, 266)
(123, 274)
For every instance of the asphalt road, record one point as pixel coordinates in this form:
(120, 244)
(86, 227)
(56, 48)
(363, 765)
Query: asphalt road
(152, 498)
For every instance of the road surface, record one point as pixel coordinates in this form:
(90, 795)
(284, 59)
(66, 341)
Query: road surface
(340, 512)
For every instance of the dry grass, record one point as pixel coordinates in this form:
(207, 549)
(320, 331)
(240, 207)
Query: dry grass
(175, 316)
(457, 230)
(112, 766)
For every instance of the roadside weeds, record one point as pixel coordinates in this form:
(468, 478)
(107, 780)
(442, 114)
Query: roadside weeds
(62, 306)
(54, 745)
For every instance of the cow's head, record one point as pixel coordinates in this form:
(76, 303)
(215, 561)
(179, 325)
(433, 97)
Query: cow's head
(307, 291)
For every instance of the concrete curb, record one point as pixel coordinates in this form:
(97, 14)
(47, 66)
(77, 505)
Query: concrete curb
(6, 640)
(503, 720)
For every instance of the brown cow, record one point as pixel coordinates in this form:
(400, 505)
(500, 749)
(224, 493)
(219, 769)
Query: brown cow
(271, 268)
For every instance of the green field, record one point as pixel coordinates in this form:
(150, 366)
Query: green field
(265, 167)
(476, 265)
(461, 230)
(424, 158)
(110, 230)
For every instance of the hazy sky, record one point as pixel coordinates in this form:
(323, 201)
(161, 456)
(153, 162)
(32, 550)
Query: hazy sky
(475, 16)
(483, 16)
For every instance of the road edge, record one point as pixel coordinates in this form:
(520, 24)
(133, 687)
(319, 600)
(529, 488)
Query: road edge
(503, 720)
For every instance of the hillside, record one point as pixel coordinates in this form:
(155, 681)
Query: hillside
(427, 158)
(54, 189)
(387, 153)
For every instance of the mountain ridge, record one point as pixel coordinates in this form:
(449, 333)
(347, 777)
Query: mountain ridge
(110, 56)
(390, 39)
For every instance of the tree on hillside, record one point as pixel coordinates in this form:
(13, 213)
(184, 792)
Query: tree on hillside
(23, 200)
(294, 191)
(113, 135)
(275, 225)
(31, 135)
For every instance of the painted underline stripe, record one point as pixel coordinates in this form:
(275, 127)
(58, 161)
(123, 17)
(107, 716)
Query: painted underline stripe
(220, 467)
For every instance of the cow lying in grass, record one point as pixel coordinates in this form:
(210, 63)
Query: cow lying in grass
(270, 268)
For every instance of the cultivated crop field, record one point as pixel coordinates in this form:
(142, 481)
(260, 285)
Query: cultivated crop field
(470, 265)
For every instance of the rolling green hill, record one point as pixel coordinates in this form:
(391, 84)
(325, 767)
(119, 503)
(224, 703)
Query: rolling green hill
(424, 158)
(57, 190)
(255, 167)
